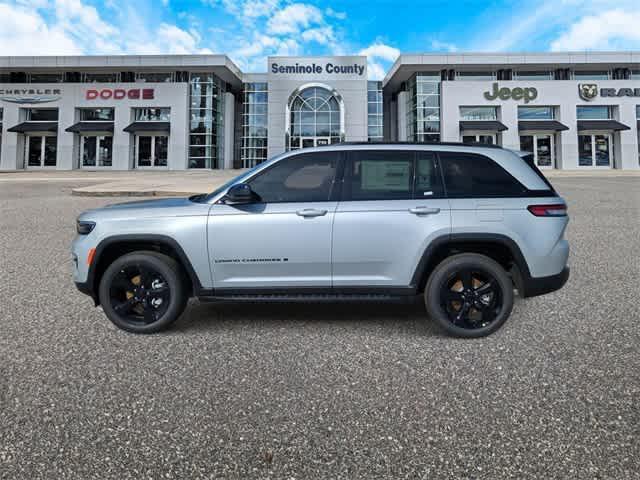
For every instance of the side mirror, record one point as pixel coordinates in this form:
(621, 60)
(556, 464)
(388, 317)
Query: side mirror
(238, 194)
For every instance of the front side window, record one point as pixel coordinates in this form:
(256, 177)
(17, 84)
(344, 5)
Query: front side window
(479, 113)
(536, 113)
(300, 178)
(594, 112)
(152, 114)
(472, 175)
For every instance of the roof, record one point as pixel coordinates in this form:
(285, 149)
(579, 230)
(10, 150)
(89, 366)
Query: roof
(407, 63)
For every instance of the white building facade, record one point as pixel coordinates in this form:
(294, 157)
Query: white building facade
(571, 110)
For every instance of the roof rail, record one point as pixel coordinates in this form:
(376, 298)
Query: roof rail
(423, 144)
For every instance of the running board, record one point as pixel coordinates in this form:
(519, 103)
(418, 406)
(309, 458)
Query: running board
(304, 298)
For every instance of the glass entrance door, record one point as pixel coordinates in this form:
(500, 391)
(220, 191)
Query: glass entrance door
(595, 150)
(96, 150)
(41, 151)
(542, 147)
(151, 150)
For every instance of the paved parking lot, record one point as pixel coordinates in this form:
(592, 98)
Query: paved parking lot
(329, 391)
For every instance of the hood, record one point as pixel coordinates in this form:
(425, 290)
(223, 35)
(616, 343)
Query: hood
(160, 207)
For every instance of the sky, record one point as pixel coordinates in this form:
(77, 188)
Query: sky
(250, 30)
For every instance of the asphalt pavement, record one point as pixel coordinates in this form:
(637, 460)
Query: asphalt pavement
(320, 391)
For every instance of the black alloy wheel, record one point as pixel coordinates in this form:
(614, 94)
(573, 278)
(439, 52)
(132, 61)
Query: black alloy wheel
(469, 295)
(143, 292)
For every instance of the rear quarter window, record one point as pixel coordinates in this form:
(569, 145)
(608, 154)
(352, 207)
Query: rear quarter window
(473, 175)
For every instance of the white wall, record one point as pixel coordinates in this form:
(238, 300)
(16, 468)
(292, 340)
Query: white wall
(172, 95)
(559, 93)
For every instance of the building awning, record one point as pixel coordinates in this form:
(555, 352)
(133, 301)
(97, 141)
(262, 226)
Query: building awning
(91, 127)
(542, 125)
(611, 125)
(148, 127)
(26, 127)
(488, 125)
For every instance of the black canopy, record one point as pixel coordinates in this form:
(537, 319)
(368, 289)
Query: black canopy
(25, 127)
(91, 127)
(489, 125)
(542, 125)
(613, 125)
(148, 127)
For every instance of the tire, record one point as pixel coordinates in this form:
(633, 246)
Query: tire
(143, 292)
(469, 295)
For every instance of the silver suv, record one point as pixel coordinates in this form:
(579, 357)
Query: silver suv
(461, 225)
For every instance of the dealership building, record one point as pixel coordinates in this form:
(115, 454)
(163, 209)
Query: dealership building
(179, 112)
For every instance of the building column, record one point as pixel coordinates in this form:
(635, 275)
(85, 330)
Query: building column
(509, 116)
(402, 116)
(229, 118)
(627, 155)
(12, 149)
(568, 151)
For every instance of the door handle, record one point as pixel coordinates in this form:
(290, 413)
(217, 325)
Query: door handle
(424, 210)
(311, 212)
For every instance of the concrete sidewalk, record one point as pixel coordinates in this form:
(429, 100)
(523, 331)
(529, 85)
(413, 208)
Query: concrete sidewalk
(138, 183)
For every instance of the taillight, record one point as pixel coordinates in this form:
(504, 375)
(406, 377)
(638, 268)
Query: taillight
(552, 210)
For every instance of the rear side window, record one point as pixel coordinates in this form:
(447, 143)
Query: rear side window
(391, 175)
(379, 175)
(472, 175)
(300, 178)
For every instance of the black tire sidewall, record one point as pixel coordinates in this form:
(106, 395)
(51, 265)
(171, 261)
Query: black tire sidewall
(168, 268)
(442, 272)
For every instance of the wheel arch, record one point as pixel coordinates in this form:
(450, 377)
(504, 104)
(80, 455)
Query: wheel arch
(113, 247)
(500, 248)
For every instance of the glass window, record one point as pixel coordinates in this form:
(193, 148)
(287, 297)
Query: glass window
(471, 175)
(106, 77)
(45, 77)
(379, 175)
(96, 114)
(534, 75)
(157, 77)
(428, 182)
(300, 178)
(0, 114)
(637, 112)
(479, 113)
(152, 114)
(536, 113)
(475, 75)
(42, 114)
(594, 112)
(591, 75)
(635, 75)
(50, 151)
(423, 107)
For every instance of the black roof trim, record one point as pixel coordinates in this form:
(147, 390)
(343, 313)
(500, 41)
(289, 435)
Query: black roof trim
(422, 144)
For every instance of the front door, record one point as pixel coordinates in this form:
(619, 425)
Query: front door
(283, 239)
(41, 151)
(151, 150)
(595, 150)
(96, 150)
(542, 147)
(392, 207)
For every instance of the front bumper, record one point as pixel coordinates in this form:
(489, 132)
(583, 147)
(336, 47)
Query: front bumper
(534, 286)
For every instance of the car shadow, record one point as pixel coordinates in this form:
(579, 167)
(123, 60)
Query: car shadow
(391, 317)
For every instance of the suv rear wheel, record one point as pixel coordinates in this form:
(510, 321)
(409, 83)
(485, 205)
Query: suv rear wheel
(469, 295)
(143, 292)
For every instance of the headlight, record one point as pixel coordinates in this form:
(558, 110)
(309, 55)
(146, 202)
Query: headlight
(84, 228)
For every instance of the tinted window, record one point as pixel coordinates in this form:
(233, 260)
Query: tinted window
(379, 175)
(470, 175)
(428, 182)
(301, 178)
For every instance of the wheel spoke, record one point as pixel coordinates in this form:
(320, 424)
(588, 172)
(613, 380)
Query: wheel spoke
(488, 287)
(462, 313)
(452, 296)
(125, 306)
(465, 277)
(123, 282)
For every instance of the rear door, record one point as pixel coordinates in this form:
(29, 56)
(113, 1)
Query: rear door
(392, 207)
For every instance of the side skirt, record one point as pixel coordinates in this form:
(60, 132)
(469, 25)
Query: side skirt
(304, 294)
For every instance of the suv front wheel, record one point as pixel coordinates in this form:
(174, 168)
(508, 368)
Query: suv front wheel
(143, 292)
(469, 295)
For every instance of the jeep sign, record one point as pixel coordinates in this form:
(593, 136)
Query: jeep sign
(517, 93)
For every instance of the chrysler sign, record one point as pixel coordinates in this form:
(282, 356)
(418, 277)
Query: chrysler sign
(30, 95)
(120, 94)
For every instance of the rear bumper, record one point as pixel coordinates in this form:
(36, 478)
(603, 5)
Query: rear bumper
(534, 286)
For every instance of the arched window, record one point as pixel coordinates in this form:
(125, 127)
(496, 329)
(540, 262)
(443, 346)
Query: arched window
(315, 117)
